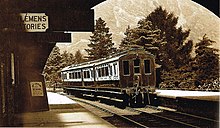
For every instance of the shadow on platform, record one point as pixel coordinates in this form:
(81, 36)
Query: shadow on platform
(61, 115)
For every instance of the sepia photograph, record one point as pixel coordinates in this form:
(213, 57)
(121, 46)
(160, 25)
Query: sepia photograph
(110, 63)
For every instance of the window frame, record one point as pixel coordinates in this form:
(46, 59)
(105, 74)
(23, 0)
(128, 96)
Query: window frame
(149, 67)
(86, 74)
(123, 66)
(114, 71)
(135, 66)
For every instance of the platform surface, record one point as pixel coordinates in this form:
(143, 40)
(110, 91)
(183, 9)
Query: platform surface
(203, 95)
(64, 112)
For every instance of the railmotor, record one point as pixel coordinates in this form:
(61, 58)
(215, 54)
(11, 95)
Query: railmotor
(131, 72)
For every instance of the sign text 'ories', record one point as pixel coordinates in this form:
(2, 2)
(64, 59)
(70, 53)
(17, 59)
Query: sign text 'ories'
(35, 22)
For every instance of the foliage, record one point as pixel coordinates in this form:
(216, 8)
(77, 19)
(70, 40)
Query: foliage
(159, 34)
(126, 42)
(79, 57)
(57, 61)
(201, 73)
(179, 78)
(174, 51)
(67, 59)
(53, 65)
(143, 36)
(101, 44)
(206, 62)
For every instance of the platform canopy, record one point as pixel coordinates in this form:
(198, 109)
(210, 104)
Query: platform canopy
(61, 16)
(51, 5)
(64, 15)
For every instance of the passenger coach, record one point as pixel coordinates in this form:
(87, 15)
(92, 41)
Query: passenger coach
(134, 68)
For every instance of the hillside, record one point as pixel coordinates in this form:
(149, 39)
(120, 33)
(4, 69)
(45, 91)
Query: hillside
(118, 14)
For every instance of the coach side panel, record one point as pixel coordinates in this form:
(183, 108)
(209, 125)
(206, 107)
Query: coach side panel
(137, 69)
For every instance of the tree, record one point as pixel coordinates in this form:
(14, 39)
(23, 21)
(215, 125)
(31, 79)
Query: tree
(206, 62)
(67, 59)
(53, 66)
(127, 41)
(174, 53)
(167, 22)
(79, 57)
(144, 36)
(101, 44)
(158, 34)
(182, 77)
(56, 62)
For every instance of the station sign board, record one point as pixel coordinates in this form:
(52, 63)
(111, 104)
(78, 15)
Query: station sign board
(47, 37)
(36, 89)
(35, 22)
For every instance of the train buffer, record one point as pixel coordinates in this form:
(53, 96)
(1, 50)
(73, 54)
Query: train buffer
(63, 112)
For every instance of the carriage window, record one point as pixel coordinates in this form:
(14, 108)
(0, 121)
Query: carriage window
(103, 72)
(67, 76)
(78, 75)
(137, 66)
(86, 74)
(70, 75)
(99, 72)
(106, 71)
(126, 67)
(92, 73)
(75, 75)
(114, 70)
(110, 70)
(147, 66)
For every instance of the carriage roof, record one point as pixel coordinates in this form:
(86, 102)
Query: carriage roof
(110, 58)
(92, 63)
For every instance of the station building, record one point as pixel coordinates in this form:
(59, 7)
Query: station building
(28, 33)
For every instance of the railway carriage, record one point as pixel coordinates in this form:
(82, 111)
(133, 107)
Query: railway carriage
(128, 69)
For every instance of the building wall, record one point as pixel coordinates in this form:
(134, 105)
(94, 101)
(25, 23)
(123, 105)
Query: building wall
(7, 86)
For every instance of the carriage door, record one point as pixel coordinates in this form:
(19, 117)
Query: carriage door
(137, 73)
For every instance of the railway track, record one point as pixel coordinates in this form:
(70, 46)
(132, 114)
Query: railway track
(180, 119)
(117, 120)
(147, 117)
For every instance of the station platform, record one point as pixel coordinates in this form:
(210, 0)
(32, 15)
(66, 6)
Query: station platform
(63, 112)
(196, 95)
(200, 103)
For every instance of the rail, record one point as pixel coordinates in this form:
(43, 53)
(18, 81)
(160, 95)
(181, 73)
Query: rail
(163, 118)
(188, 120)
(137, 124)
